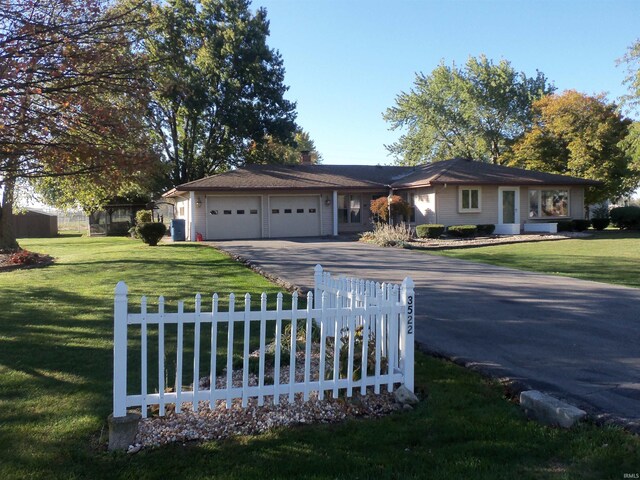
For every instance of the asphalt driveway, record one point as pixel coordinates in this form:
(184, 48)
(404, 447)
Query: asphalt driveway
(574, 339)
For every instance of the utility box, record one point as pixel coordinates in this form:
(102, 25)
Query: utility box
(178, 230)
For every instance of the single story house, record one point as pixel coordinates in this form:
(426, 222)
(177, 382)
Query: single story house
(271, 201)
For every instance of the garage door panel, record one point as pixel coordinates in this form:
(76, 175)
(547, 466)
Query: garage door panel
(295, 216)
(233, 218)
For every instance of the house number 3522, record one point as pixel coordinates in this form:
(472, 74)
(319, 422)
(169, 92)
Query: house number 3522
(410, 315)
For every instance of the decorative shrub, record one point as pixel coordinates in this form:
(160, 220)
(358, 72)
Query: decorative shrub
(565, 225)
(386, 235)
(380, 207)
(486, 228)
(600, 223)
(429, 230)
(626, 218)
(580, 225)
(462, 231)
(151, 232)
(144, 216)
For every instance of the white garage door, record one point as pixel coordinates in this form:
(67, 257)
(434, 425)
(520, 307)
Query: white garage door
(233, 217)
(295, 216)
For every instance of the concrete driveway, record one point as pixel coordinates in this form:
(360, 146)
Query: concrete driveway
(574, 339)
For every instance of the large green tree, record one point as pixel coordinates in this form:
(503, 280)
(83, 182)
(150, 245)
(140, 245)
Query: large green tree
(217, 88)
(476, 111)
(583, 136)
(272, 151)
(71, 103)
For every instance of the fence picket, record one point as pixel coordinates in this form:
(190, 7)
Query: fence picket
(263, 327)
(365, 347)
(143, 356)
(245, 359)
(336, 348)
(196, 354)
(179, 357)
(276, 370)
(307, 352)
(232, 305)
(161, 387)
(214, 351)
(323, 345)
(292, 347)
(344, 308)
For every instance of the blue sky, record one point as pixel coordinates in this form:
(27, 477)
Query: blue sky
(347, 60)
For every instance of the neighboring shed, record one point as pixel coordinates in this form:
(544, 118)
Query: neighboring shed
(32, 223)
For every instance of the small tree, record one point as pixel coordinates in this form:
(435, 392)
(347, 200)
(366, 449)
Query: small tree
(380, 207)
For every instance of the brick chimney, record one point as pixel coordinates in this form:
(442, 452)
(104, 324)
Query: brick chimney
(305, 157)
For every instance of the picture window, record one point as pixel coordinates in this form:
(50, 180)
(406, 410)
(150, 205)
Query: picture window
(469, 200)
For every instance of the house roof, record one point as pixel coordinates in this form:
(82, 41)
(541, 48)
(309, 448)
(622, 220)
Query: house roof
(300, 177)
(367, 177)
(462, 171)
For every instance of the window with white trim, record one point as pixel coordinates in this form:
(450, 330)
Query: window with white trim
(469, 199)
(349, 207)
(548, 203)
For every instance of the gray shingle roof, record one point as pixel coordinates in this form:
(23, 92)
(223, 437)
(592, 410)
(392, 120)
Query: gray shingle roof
(367, 177)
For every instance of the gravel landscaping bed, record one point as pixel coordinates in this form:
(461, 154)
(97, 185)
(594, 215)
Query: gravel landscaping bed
(219, 422)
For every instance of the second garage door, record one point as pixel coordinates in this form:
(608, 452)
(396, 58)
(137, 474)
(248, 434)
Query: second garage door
(233, 217)
(295, 216)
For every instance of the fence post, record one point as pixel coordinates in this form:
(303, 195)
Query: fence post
(317, 281)
(120, 310)
(407, 332)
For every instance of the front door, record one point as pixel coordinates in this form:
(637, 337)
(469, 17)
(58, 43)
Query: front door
(508, 211)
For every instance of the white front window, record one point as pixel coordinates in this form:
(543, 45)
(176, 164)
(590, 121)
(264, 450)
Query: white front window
(469, 199)
(548, 203)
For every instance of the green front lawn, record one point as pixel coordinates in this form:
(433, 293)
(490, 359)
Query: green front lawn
(55, 392)
(608, 256)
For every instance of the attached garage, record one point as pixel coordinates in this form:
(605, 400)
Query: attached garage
(294, 216)
(233, 217)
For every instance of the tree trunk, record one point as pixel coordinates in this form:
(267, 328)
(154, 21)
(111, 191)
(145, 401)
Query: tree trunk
(7, 234)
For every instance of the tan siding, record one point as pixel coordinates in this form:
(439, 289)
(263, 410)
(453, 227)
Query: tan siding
(447, 206)
(576, 202)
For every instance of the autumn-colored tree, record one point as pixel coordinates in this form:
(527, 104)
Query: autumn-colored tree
(475, 112)
(380, 207)
(71, 99)
(579, 135)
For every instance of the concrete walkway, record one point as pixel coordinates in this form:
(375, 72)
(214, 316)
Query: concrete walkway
(573, 339)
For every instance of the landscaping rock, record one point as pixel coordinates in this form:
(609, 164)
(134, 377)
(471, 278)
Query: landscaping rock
(549, 410)
(404, 396)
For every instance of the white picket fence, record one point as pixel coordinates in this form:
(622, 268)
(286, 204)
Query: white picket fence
(384, 312)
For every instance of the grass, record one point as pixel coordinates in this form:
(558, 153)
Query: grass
(608, 256)
(55, 392)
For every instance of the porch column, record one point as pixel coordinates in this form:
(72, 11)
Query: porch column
(335, 213)
(192, 216)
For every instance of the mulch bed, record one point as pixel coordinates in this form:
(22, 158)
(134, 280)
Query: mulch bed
(450, 243)
(36, 260)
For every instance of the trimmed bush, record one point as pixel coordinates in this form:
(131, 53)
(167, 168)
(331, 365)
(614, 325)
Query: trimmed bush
(626, 218)
(486, 228)
(143, 216)
(565, 225)
(600, 223)
(151, 232)
(429, 230)
(462, 231)
(580, 225)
